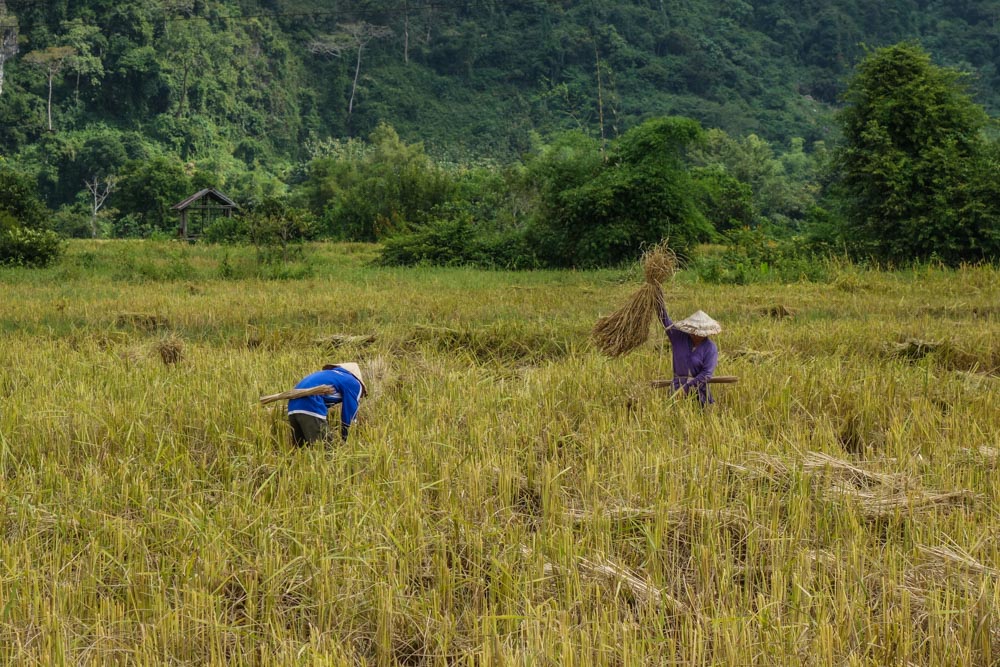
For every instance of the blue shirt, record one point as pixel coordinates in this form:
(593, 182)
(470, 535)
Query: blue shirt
(346, 390)
(693, 366)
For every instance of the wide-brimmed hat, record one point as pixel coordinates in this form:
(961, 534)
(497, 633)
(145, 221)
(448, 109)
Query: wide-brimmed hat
(699, 324)
(354, 370)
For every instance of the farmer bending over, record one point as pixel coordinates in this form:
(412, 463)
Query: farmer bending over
(307, 416)
(695, 356)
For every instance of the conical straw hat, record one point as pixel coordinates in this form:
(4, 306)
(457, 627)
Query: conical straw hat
(354, 370)
(699, 324)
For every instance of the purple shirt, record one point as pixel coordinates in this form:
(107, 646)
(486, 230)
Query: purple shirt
(693, 366)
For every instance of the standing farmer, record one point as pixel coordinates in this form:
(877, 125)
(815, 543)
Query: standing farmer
(695, 356)
(308, 415)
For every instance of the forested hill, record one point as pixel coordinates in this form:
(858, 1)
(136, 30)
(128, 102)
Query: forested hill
(262, 80)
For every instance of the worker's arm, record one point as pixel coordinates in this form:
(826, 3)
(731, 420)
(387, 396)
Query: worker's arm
(703, 376)
(352, 394)
(662, 308)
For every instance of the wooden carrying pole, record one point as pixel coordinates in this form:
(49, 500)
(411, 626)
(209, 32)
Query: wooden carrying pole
(718, 379)
(320, 390)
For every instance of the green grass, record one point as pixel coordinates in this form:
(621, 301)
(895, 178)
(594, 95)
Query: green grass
(156, 514)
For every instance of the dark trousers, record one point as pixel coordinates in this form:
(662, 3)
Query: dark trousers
(307, 429)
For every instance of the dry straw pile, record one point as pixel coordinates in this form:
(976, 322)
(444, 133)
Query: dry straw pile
(628, 327)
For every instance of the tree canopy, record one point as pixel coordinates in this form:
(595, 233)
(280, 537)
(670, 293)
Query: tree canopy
(914, 167)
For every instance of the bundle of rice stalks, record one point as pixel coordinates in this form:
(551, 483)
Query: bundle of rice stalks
(336, 341)
(674, 515)
(941, 559)
(621, 579)
(171, 349)
(881, 505)
(379, 375)
(659, 263)
(297, 393)
(628, 327)
(718, 379)
(823, 468)
(142, 321)
(777, 311)
(875, 495)
(913, 348)
(819, 462)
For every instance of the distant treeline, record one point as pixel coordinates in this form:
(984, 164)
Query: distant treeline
(513, 134)
(259, 81)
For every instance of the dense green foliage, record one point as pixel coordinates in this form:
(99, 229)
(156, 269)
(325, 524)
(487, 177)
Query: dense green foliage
(915, 170)
(368, 191)
(18, 202)
(522, 133)
(24, 246)
(597, 210)
(23, 237)
(259, 80)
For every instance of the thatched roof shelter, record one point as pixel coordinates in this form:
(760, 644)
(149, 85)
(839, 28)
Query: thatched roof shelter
(199, 210)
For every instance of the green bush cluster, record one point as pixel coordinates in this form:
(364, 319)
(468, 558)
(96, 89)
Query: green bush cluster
(917, 177)
(456, 242)
(752, 256)
(22, 246)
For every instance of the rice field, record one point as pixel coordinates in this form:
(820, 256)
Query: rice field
(509, 496)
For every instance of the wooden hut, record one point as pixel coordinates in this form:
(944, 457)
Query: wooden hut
(199, 210)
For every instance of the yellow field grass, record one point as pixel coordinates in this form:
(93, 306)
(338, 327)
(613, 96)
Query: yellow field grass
(509, 495)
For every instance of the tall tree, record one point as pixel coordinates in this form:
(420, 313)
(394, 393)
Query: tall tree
(8, 38)
(911, 160)
(100, 188)
(356, 35)
(51, 61)
(187, 46)
(88, 43)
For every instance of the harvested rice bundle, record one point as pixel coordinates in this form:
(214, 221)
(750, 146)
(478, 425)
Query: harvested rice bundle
(659, 263)
(628, 327)
(320, 390)
(171, 349)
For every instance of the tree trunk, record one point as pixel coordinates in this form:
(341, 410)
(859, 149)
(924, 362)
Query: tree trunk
(354, 86)
(8, 41)
(406, 36)
(51, 76)
(94, 209)
(600, 96)
(184, 90)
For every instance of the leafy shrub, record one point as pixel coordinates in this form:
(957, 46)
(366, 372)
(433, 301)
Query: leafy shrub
(442, 242)
(726, 202)
(278, 230)
(227, 230)
(368, 193)
(754, 257)
(19, 199)
(147, 190)
(131, 225)
(599, 212)
(72, 222)
(455, 242)
(22, 246)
